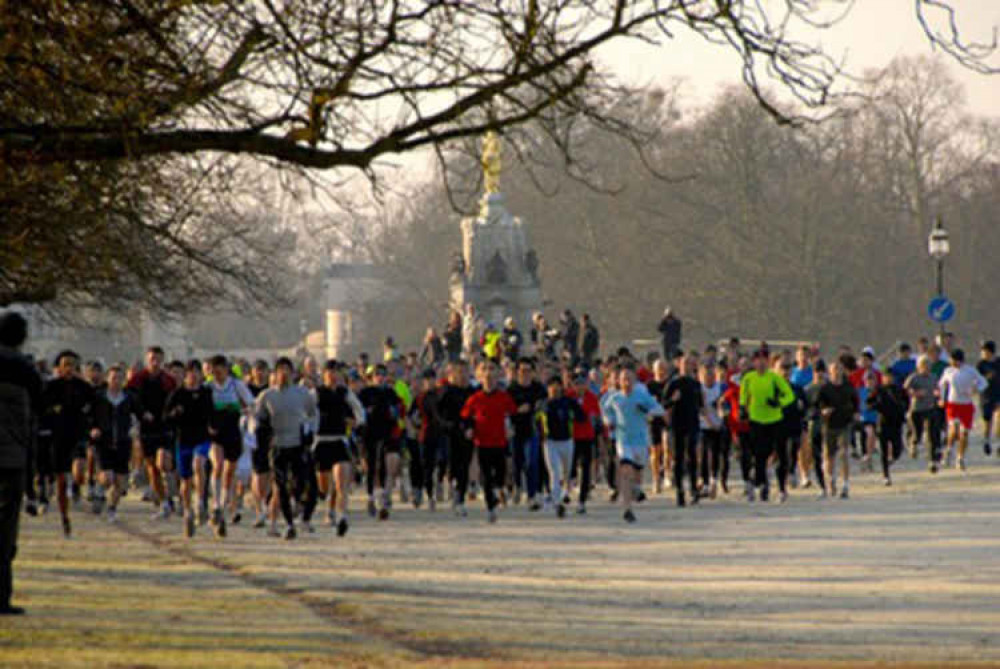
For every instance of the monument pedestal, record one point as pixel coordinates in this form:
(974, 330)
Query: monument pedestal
(497, 270)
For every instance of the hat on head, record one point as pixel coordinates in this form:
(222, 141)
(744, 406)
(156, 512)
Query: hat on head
(868, 350)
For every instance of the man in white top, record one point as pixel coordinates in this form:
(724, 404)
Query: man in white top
(956, 387)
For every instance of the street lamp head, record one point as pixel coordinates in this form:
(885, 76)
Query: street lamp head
(937, 243)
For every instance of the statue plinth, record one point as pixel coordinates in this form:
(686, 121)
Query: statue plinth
(497, 270)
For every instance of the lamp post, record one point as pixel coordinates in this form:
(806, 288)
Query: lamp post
(939, 247)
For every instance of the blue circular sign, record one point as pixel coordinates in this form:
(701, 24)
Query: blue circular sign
(941, 309)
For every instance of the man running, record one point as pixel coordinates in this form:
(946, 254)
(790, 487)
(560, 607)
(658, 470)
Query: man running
(763, 395)
(288, 409)
(956, 387)
(585, 432)
(924, 414)
(528, 395)
(685, 404)
(838, 405)
(339, 411)
(453, 399)
(989, 368)
(382, 411)
(627, 411)
(114, 410)
(487, 413)
(152, 386)
(889, 401)
(190, 410)
(68, 401)
(231, 399)
(426, 413)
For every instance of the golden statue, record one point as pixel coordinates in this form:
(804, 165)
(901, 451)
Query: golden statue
(491, 162)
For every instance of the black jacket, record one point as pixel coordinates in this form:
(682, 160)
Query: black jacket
(115, 420)
(20, 404)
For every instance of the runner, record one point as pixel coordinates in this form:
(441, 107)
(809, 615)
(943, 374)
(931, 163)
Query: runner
(152, 385)
(114, 410)
(715, 457)
(659, 447)
(487, 414)
(68, 403)
(231, 399)
(559, 414)
(925, 418)
(890, 401)
(763, 394)
(838, 405)
(684, 400)
(585, 433)
(382, 411)
(190, 410)
(288, 410)
(528, 395)
(956, 387)
(260, 456)
(989, 368)
(627, 411)
(426, 413)
(340, 411)
(453, 400)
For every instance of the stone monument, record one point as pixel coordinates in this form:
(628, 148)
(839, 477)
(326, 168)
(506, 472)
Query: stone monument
(496, 270)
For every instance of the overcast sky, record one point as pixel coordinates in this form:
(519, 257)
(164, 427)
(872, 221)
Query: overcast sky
(871, 35)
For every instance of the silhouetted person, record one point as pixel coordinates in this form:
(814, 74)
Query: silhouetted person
(20, 399)
(670, 331)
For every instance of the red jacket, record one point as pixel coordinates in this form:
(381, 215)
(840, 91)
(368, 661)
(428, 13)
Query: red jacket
(488, 413)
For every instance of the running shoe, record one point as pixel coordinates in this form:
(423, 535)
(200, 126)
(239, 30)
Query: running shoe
(259, 523)
(342, 527)
(431, 503)
(491, 517)
(561, 511)
(535, 506)
(220, 529)
(67, 527)
(843, 493)
(237, 517)
(933, 468)
(629, 516)
(112, 516)
(31, 508)
(987, 449)
(331, 518)
(189, 525)
(581, 510)
(290, 533)
(383, 514)
(782, 497)
(887, 481)
(418, 499)
(308, 527)
(371, 508)
(960, 463)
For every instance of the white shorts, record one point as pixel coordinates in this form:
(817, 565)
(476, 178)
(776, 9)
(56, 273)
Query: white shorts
(637, 456)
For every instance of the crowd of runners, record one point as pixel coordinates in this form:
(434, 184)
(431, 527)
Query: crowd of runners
(538, 421)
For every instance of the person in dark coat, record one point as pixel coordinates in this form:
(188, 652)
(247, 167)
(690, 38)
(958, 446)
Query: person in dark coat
(670, 331)
(571, 335)
(20, 403)
(591, 341)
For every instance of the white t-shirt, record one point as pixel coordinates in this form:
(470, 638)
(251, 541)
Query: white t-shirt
(957, 384)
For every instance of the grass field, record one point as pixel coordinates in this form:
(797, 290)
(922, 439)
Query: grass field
(901, 576)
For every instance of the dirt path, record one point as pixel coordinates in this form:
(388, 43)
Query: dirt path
(893, 575)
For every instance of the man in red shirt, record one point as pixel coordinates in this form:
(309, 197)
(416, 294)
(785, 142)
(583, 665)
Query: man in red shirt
(584, 432)
(487, 414)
